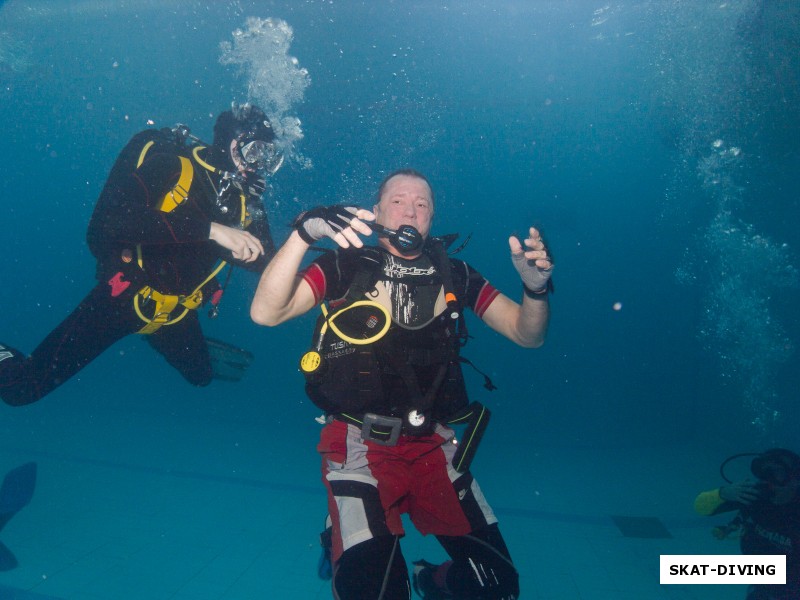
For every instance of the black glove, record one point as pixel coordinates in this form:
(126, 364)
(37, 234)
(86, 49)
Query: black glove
(535, 279)
(323, 221)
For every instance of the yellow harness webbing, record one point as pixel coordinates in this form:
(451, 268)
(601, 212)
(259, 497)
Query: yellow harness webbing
(166, 304)
(180, 191)
(178, 194)
(144, 152)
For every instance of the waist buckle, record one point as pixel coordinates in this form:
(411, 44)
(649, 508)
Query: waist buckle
(379, 436)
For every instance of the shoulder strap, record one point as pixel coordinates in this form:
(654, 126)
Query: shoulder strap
(180, 191)
(370, 264)
(437, 252)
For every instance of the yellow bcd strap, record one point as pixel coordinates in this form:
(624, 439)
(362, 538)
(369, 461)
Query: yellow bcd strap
(178, 194)
(143, 153)
(166, 304)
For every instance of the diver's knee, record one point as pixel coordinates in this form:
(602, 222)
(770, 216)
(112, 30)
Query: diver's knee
(198, 377)
(366, 568)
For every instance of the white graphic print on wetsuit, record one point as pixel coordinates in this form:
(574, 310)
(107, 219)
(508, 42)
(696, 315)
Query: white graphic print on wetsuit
(412, 302)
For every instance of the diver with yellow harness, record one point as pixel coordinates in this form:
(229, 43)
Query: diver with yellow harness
(384, 366)
(173, 214)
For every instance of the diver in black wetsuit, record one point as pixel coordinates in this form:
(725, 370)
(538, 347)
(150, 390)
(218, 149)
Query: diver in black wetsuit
(172, 214)
(768, 515)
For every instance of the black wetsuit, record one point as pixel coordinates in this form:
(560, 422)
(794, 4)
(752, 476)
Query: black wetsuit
(774, 529)
(138, 244)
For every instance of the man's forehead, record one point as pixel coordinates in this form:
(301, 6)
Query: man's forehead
(405, 185)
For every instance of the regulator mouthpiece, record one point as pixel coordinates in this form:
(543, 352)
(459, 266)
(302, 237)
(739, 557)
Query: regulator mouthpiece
(405, 239)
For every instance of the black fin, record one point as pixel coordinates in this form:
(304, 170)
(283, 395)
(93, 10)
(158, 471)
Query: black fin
(228, 362)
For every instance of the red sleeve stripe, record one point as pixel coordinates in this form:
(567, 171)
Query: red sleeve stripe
(485, 297)
(314, 277)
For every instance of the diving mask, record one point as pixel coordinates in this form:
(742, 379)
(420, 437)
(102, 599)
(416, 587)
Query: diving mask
(406, 238)
(771, 470)
(262, 156)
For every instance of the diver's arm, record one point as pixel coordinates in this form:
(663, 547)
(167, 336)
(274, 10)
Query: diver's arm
(524, 324)
(249, 247)
(263, 234)
(727, 498)
(282, 294)
(712, 503)
(260, 228)
(244, 246)
(707, 503)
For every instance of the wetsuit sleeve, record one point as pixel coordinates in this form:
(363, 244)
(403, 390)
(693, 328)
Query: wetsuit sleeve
(478, 292)
(710, 503)
(324, 275)
(127, 211)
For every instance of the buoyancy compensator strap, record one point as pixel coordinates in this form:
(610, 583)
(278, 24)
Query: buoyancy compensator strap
(166, 304)
(178, 194)
(476, 418)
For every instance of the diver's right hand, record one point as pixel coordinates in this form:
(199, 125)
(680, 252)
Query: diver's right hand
(744, 492)
(340, 223)
(243, 245)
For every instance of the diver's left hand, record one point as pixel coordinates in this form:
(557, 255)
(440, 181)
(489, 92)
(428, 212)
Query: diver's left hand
(533, 261)
(243, 245)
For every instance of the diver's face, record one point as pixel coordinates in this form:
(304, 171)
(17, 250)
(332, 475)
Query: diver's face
(256, 156)
(406, 200)
(783, 494)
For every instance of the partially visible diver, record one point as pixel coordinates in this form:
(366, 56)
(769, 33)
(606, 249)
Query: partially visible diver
(768, 518)
(173, 213)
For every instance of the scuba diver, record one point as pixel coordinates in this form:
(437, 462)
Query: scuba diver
(172, 214)
(768, 518)
(385, 367)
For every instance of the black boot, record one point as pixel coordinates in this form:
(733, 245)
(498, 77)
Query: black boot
(325, 565)
(9, 365)
(423, 582)
(8, 353)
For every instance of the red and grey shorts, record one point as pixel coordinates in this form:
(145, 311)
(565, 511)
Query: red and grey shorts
(371, 485)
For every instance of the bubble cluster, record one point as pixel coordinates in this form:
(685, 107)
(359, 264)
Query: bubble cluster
(706, 66)
(745, 270)
(275, 79)
(14, 56)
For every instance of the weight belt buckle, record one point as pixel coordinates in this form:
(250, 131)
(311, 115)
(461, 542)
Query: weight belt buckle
(394, 424)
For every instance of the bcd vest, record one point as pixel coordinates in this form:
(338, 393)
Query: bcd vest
(404, 369)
